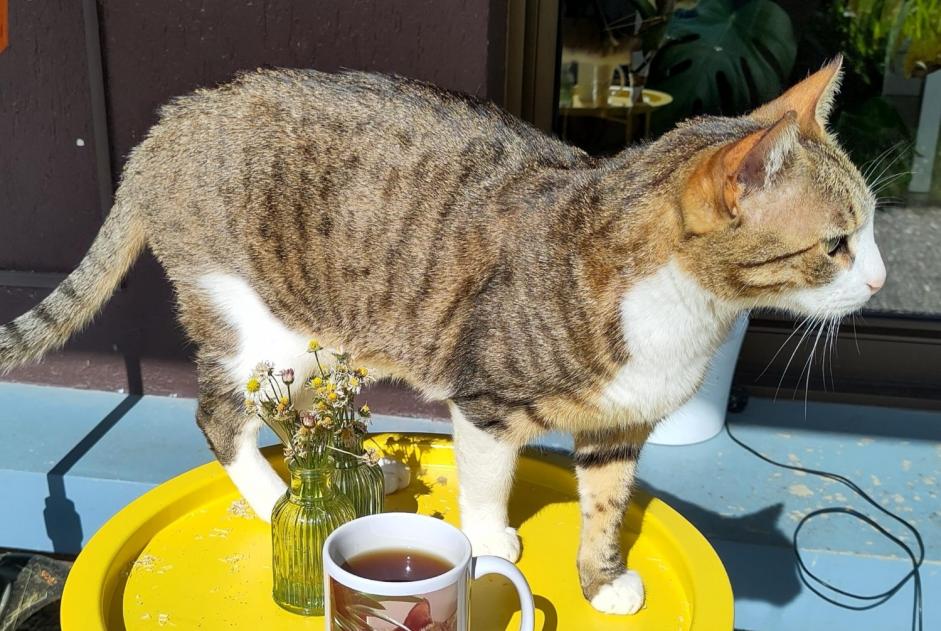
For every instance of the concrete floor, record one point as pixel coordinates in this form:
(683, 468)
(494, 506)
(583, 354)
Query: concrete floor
(910, 241)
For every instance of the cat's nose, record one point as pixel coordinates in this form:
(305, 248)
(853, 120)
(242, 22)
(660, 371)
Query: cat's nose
(877, 280)
(874, 271)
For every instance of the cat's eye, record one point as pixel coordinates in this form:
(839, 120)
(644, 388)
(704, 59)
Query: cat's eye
(834, 245)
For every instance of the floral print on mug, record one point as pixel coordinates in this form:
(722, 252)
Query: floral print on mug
(352, 610)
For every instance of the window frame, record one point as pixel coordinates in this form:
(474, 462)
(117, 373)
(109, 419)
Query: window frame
(897, 361)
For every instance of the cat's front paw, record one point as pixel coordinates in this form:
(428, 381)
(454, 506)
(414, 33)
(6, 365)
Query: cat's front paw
(499, 543)
(623, 595)
(262, 500)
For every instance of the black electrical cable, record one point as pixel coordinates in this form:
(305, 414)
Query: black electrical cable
(813, 582)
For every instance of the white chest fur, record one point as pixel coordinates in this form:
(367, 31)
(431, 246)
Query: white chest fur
(672, 328)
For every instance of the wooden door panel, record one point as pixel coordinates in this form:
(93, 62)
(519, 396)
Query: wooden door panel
(49, 210)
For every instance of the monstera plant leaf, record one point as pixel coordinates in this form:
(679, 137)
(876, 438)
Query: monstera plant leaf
(724, 57)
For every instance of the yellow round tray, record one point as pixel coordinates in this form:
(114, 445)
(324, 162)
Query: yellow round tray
(190, 555)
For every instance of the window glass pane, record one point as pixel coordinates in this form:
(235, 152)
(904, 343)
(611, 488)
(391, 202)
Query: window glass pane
(631, 69)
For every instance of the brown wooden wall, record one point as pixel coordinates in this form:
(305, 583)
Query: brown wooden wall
(150, 51)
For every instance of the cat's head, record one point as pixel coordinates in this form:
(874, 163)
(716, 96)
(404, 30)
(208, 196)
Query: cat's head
(774, 212)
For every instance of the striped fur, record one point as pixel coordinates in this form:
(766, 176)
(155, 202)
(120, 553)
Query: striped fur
(605, 465)
(604, 456)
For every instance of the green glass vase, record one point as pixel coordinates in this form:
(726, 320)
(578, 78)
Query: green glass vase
(300, 523)
(361, 482)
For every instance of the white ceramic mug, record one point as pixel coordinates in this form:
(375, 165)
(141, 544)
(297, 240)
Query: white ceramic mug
(440, 602)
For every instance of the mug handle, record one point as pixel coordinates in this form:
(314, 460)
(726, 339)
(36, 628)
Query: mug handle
(484, 565)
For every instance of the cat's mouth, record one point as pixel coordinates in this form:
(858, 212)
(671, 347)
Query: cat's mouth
(824, 304)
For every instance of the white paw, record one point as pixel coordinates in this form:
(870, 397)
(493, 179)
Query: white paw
(395, 475)
(255, 479)
(499, 543)
(624, 595)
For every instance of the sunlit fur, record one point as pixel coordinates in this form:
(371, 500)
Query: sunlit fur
(445, 243)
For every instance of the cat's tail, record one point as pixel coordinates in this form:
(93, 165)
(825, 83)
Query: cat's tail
(80, 296)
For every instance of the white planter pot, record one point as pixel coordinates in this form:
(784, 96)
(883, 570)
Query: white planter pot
(703, 416)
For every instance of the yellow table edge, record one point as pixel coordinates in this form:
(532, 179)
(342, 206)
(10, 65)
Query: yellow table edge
(104, 563)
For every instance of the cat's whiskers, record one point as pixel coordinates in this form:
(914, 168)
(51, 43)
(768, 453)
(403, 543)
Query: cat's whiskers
(808, 364)
(875, 181)
(855, 339)
(811, 324)
(832, 335)
(834, 345)
(870, 167)
(631, 19)
(888, 201)
(808, 325)
(887, 181)
(827, 329)
(888, 158)
(781, 347)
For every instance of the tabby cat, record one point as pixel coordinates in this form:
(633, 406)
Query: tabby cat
(447, 244)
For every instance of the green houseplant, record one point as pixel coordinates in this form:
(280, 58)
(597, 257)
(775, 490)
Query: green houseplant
(723, 57)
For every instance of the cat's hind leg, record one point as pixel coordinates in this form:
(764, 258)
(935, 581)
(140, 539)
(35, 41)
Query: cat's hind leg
(605, 468)
(233, 438)
(485, 465)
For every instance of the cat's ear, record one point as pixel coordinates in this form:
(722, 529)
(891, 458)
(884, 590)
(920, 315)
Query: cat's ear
(751, 163)
(734, 171)
(812, 99)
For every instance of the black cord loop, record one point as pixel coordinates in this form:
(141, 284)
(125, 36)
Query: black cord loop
(815, 583)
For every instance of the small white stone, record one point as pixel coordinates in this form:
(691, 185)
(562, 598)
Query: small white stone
(79, 142)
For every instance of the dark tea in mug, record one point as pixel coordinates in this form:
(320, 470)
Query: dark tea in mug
(396, 565)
